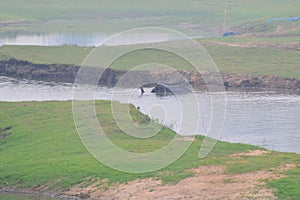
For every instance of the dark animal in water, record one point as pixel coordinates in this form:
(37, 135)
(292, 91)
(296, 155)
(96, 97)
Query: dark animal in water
(163, 89)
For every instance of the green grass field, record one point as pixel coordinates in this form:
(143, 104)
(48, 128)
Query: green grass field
(240, 60)
(259, 61)
(112, 16)
(44, 149)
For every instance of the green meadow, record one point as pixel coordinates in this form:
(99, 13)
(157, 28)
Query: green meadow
(43, 149)
(241, 60)
(114, 16)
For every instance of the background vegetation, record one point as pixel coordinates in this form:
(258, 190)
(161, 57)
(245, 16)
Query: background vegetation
(115, 15)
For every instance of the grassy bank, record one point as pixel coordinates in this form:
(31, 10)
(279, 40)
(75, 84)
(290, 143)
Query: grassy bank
(23, 197)
(44, 151)
(241, 60)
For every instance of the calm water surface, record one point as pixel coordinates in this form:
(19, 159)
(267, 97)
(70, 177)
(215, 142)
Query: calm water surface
(269, 120)
(82, 39)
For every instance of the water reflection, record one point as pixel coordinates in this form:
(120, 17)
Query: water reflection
(50, 39)
(81, 39)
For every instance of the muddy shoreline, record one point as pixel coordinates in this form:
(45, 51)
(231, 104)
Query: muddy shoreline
(38, 194)
(67, 74)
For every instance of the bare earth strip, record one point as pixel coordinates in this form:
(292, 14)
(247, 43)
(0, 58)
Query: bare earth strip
(209, 182)
(255, 44)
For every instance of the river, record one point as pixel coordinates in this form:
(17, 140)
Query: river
(266, 119)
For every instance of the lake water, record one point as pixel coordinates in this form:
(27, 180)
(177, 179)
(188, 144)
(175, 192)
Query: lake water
(265, 119)
(84, 39)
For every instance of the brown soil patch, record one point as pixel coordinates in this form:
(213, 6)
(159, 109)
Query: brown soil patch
(209, 182)
(186, 138)
(257, 44)
(287, 167)
(283, 30)
(249, 153)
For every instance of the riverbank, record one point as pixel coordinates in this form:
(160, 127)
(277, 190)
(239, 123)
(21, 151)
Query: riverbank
(208, 182)
(67, 74)
(48, 158)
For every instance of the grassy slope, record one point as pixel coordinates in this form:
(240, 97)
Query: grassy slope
(256, 60)
(44, 149)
